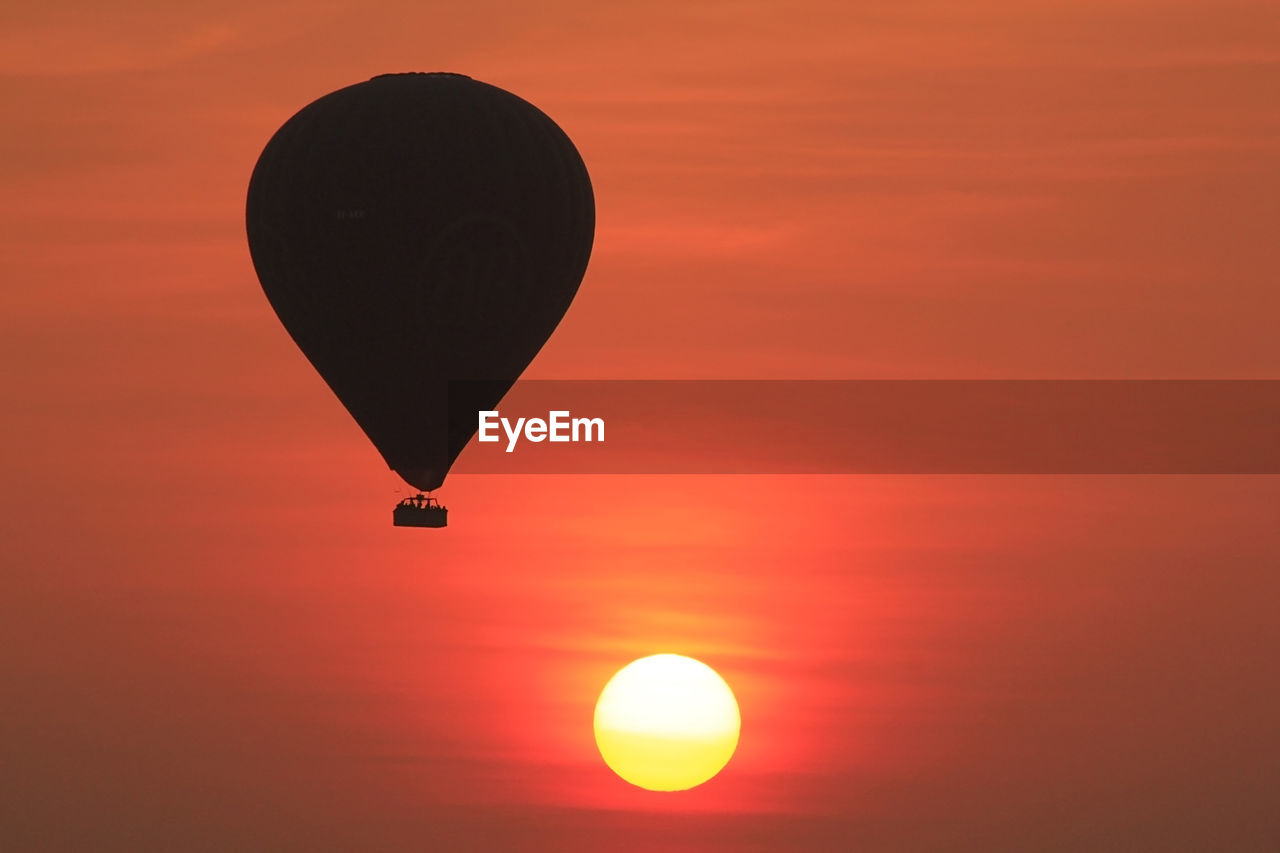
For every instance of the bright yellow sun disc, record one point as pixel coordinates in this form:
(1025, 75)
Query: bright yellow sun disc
(667, 723)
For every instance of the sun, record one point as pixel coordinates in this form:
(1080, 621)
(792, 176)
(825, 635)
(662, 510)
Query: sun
(667, 723)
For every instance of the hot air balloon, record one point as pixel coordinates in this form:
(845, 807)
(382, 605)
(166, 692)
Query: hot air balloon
(420, 236)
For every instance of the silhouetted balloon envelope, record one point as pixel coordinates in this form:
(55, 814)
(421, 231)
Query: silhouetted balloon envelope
(420, 236)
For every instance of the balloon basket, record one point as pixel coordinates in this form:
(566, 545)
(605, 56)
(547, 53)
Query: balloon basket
(420, 511)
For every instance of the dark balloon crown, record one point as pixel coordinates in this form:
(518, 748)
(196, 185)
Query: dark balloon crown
(420, 74)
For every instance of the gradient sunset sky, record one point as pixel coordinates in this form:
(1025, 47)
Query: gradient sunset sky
(211, 638)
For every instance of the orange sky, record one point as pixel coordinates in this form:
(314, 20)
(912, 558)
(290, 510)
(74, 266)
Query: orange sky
(211, 637)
